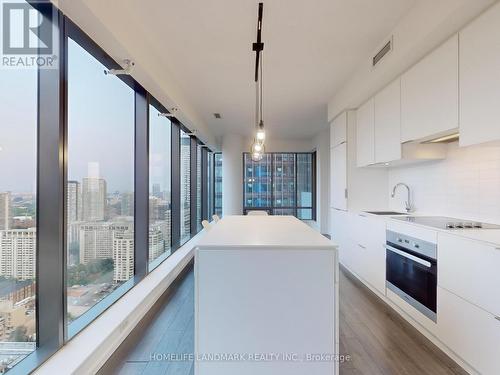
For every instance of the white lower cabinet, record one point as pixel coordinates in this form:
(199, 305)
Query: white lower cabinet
(471, 270)
(368, 240)
(339, 235)
(469, 331)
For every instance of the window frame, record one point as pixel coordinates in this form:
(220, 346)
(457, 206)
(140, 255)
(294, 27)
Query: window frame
(272, 207)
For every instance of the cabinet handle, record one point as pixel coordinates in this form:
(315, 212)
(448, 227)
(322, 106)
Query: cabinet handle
(497, 318)
(361, 246)
(362, 215)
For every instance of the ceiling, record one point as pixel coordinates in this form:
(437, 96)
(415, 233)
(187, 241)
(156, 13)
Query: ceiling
(311, 49)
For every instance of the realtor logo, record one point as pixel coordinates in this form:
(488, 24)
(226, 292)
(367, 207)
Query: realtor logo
(25, 30)
(28, 35)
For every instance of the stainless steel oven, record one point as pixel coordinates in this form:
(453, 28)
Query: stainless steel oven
(411, 271)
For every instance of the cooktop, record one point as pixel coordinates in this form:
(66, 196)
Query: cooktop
(443, 222)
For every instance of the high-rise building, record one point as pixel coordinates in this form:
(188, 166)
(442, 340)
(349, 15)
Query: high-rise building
(156, 242)
(5, 211)
(73, 201)
(123, 255)
(185, 184)
(127, 204)
(157, 190)
(93, 195)
(96, 239)
(17, 253)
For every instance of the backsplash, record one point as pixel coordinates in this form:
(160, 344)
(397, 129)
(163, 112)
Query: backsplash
(465, 185)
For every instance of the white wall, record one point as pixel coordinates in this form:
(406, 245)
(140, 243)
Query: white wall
(465, 185)
(232, 170)
(322, 147)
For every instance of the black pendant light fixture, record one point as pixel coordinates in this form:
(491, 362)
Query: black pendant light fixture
(258, 147)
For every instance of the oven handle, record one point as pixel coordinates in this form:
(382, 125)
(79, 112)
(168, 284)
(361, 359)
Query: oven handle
(409, 256)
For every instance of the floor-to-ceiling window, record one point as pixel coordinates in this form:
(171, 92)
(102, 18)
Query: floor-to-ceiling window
(74, 197)
(185, 186)
(280, 183)
(217, 190)
(100, 185)
(257, 180)
(198, 187)
(18, 216)
(160, 196)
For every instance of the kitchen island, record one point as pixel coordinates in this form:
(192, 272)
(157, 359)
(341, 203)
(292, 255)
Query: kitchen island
(266, 298)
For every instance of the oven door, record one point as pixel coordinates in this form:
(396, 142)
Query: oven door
(413, 277)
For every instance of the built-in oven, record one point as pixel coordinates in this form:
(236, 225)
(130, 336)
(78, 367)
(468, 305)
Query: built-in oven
(411, 271)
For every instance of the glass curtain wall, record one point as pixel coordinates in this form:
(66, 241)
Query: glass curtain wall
(160, 187)
(18, 216)
(217, 190)
(100, 184)
(280, 183)
(185, 181)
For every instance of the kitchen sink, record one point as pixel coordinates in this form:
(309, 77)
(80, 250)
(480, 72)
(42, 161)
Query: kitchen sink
(386, 213)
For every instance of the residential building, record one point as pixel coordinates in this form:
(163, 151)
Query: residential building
(5, 211)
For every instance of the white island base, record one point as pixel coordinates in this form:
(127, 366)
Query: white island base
(266, 299)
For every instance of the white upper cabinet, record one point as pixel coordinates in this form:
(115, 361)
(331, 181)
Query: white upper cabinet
(365, 134)
(429, 94)
(338, 130)
(480, 79)
(338, 176)
(388, 123)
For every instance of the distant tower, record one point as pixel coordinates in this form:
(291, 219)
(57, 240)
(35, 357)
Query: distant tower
(17, 253)
(127, 204)
(93, 195)
(73, 202)
(123, 255)
(157, 190)
(5, 211)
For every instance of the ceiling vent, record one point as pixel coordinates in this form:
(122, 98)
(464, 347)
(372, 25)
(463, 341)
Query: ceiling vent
(382, 53)
(217, 115)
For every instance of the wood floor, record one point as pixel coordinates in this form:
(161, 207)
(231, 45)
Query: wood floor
(377, 340)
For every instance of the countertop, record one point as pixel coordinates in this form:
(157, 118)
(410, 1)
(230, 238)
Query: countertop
(285, 232)
(491, 236)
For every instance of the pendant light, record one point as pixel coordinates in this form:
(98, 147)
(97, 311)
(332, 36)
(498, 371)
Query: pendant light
(257, 149)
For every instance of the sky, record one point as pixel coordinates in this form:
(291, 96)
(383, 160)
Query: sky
(100, 127)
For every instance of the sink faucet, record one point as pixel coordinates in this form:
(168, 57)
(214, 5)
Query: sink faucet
(408, 205)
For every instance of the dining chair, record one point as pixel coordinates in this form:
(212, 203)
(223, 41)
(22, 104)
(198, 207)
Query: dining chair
(257, 213)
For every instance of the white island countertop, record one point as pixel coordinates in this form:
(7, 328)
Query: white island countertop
(266, 285)
(285, 232)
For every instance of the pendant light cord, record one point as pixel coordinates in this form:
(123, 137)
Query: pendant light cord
(261, 80)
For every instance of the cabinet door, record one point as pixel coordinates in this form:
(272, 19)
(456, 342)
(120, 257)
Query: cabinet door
(370, 240)
(365, 134)
(480, 79)
(339, 235)
(429, 94)
(469, 331)
(388, 123)
(338, 175)
(471, 270)
(338, 130)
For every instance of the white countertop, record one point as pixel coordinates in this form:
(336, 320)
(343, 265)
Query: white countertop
(491, 236)
(285, 232)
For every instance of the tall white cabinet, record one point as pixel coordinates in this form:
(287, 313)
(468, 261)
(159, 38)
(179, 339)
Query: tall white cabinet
(365, 136)
(387, 107)
(338, 162)
(348, 182)
(480, 79)
(429, 94)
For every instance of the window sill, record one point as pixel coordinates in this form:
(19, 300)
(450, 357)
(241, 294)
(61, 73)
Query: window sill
(91, 348)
